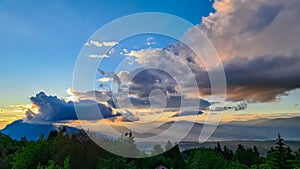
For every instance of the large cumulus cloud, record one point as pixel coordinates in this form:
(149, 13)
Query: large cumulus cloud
(53, 109)
(253, 28)
(259, 44)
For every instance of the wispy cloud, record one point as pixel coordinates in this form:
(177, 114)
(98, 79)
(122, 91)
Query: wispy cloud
(187, 113)
(150, 41)
(100, 44)
(100, 56)
(104, 79)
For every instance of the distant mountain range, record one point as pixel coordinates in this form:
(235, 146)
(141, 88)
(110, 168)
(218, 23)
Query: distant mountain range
(19, 129)
(260, 129)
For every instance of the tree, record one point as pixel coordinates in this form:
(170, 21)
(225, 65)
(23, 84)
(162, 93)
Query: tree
(125, 145)
(157, 149)
(279, 157)
(246, 156)
(168, 145)
(206, 159)
(52, 165)
(33, 154)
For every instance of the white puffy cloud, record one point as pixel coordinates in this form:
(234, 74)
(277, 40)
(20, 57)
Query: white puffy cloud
(124, 76)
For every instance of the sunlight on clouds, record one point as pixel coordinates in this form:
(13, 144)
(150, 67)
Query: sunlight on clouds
(109, 43)
(12, 113)
(22, 108)
(104, 79)
(224, 6)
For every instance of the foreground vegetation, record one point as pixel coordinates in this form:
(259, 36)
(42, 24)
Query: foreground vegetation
(61, 150)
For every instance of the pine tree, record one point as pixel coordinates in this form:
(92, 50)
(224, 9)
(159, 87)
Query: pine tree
(168, 146)
(280, 155)
(218, 148)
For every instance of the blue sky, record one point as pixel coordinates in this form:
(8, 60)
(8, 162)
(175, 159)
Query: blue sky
(40, 40)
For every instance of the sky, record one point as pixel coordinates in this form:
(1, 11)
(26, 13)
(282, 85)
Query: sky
(257, 41)
(42, 40)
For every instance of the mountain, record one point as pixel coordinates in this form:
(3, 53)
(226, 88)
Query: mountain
(269, 128)
(283, 122)
(257, 130)
(20, 128)
(260, 129)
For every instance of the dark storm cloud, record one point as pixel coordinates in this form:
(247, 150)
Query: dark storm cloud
(52, 109)
(237, 107)
(172, 102)
(149, 79)
(262, 78)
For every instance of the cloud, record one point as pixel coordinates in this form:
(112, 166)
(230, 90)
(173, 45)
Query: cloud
(53, 109)
(101, 56)
(248, 28)
(258, 79)
(140, 53)
(259, 46)
(166, 62)
(187, 113)
(149, 79)
(236, 107)
(110, 75)
(109, 43)
(99, 96)
(150, 41)
(174, 102)
(104, 79)
(129, 117)
(124, 76)
(263, 78)
(100, 44)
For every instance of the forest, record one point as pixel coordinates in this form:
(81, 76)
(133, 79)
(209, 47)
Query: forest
(63, 150)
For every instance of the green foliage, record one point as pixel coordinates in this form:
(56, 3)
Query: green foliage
(61, 150)
(8, 147)
(247, 156)
(206, 159)
(33, 154)
(226, 153)
(53, 166)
